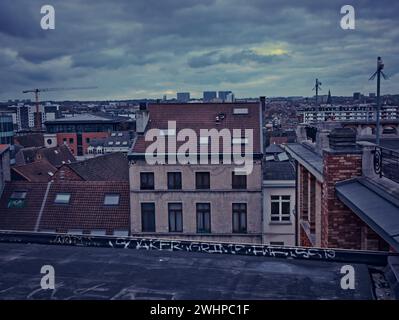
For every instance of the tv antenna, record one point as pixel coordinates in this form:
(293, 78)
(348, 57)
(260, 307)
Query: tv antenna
(378, 74)
(317, 87)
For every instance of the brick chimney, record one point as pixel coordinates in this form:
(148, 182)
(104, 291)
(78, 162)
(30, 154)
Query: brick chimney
(342, 160)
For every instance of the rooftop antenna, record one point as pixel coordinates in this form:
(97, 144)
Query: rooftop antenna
(317, 87)
(378, 73)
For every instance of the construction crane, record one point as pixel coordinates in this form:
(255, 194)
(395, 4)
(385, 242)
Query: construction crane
(36, 92)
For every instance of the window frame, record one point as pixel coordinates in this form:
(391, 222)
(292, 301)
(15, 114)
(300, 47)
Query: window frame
(62, 202)
(280, 216)
(203, 213)
(175, 212)
(146, 211)
(238, 185)
(146, 186)
(174, 183)
(199, 186)
(240, 211)
(112, 195)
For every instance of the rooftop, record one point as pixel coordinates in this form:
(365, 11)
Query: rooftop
(107, 273)
(84, 118)
(197, 116)
(376, 203)
(64, 206)
(35, 172)
(109, 167)
(307, 157)
(278, 170)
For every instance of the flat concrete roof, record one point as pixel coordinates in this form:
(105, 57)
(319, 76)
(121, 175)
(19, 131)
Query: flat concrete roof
(107, 273)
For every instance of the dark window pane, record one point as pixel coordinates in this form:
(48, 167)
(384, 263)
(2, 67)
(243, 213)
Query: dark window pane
(202, 180)
(175, 217)
(240, 217)
(147, 181)
(203, 218)
(148, 217)
(174, 180)
(275, 208)
(239, 181)
(285, 208)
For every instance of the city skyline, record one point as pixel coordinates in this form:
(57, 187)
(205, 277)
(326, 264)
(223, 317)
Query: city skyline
(149, 49)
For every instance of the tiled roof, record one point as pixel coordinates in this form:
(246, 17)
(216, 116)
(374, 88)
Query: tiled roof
(278, 170)
(36, 171)
(21, 218)
(86, 209)
(57, 156)
(109, 167)
(30, 140)
(198, 116)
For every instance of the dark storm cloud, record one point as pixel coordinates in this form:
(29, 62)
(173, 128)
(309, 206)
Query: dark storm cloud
(133, 48)
(243, 56)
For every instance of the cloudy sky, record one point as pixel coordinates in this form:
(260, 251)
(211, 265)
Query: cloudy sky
(148, 48)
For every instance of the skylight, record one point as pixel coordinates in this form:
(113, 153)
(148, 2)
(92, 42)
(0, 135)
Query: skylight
(240, 111)
(62, 198)
(111, 199)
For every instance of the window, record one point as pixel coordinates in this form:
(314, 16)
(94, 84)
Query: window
(148, 217)
(175, 211)
(240, 111)
(174, 180)
(202, 180)
(280, 208)
(70, 140)
(239, 217)
(17, 200)
(49, 142)
(62, 198)
(110, 143)
(276, 243)
(111, 199)
(87, 140)
(147, 181)
(203, 218)
(239, 181)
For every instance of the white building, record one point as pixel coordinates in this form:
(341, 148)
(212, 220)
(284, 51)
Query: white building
(356, 112)
(278, 190)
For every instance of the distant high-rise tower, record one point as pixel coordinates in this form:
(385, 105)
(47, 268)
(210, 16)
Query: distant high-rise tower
(183, 96)
(224, 95)
(209, 96)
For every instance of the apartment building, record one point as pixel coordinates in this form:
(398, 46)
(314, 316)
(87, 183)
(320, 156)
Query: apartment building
(195, 200)
(347, 192)
(340, 113)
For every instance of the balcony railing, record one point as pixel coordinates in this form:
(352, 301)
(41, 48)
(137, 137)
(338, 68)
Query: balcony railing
(386, 163)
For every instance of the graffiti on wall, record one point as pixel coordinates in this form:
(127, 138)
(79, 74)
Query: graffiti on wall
(193, 246)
